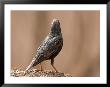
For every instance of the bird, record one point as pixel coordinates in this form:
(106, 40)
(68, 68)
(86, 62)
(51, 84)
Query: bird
(50, 46)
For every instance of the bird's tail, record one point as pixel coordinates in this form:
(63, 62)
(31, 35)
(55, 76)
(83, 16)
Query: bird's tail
(30, 65)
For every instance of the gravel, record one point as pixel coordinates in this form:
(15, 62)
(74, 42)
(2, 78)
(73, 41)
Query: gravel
(37, 73)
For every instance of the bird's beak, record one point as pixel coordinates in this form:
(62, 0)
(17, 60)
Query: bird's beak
(55, 21)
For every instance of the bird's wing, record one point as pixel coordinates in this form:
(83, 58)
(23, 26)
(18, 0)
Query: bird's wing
(49, 47)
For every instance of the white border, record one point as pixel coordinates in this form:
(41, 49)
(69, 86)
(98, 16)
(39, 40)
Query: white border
(56, 80)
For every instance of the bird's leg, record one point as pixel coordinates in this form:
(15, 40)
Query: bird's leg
(52, 63)
(41, 68)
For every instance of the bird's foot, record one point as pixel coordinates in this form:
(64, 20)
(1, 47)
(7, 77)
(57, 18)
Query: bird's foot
(56, 71)
(41, 69)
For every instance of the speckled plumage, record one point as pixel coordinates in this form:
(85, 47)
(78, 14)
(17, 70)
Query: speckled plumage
(50, 47)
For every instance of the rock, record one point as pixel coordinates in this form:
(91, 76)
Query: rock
(37, 73)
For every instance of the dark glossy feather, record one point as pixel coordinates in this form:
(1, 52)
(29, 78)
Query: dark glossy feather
(50, 47)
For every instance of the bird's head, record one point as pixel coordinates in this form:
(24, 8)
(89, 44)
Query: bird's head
(55, 27)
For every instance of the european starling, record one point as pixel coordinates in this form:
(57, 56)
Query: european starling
(50, 47)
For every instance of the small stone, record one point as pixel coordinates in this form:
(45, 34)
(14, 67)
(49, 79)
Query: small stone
(37, 73)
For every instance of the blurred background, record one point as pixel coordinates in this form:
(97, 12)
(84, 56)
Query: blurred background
(80, 54)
